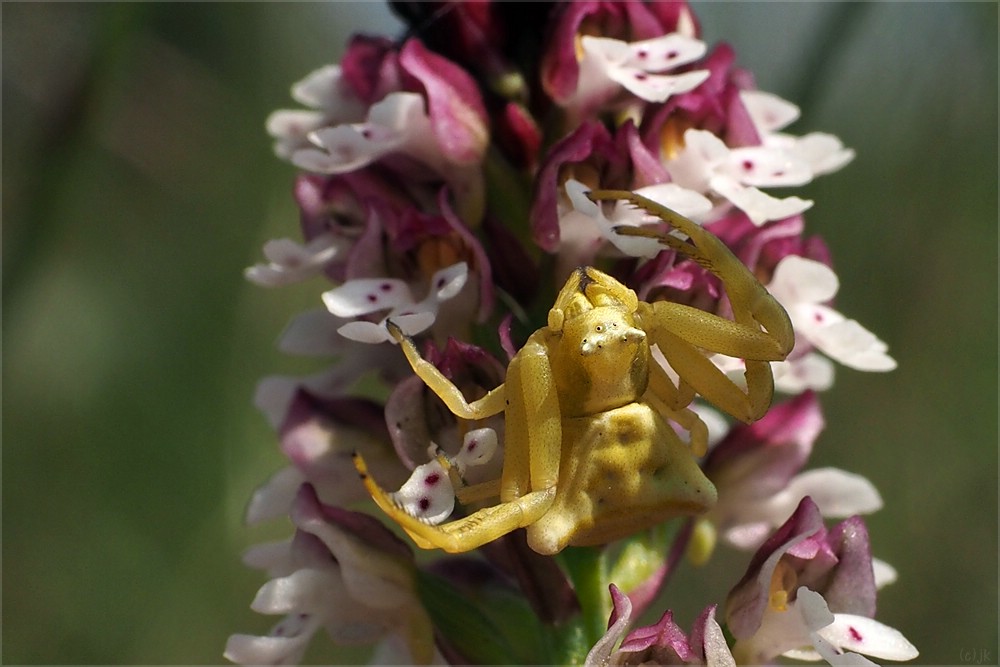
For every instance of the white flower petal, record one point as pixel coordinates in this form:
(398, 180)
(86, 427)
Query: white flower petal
(811, 317)
(759, 206)
(633, 246)
(314, 160)
(291, 127)
(274, 498)
(366, 332)
(412, 323)
(428, 494)
(325, 89)
(800, 285)
(372, 577)
(301, 591)
(663, 53)
(366, 295)
(885, 574)
(656, 87)
(251, 650)
(810, 371)
(407, 129)
(400, 112)
(694, 166)
(686, 202)
(824, 650)
(801, 280)
(779, 632)
(448, 282)
(768, 111)
(767, 167)
(854, 346)
(748, 536)
(378, 135)
(317, 89)
(868, 636)
(285, 251)
(633, 66)
(717, 653)
(576, 192)
(813, 609)
(478, 447)
(836, 492)
(823, 152)
(292, 262)
(345, 148)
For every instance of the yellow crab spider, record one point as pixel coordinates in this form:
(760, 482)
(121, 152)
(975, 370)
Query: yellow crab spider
(589, 455)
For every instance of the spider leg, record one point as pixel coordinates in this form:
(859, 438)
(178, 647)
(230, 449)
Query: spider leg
(759, 332)
(533, 444)
(487, 406)
(673, 404)
(707, 379)
(463, 534)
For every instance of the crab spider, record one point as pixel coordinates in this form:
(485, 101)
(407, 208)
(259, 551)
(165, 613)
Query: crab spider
(589, 455)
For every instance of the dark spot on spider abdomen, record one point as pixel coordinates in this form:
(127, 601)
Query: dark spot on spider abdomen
(627, 433)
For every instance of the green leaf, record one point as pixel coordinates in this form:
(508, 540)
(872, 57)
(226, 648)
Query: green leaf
(494, 627)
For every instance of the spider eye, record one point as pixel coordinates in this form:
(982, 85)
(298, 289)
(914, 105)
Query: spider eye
(599, 328)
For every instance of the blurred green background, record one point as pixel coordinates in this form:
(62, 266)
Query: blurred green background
(138, 182)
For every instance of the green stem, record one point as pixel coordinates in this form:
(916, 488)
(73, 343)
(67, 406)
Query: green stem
(587, 568)
(508, 192)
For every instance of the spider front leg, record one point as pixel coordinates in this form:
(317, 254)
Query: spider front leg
(468, 533)
(760, 331)
(487, 406)
(531, 462)
(672, 402)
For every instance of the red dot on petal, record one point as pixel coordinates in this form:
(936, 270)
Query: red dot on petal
(818, 317)
(432, 479)
(672, 54)
(855, 635)
(747, 165)
(640, 76)
(385, 287)
(642, 53)
(372, 298)
(367, 134)
(423, 504)
(472, 445)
